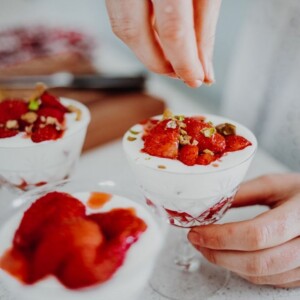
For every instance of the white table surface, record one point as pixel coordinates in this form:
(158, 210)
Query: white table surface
(109, 161)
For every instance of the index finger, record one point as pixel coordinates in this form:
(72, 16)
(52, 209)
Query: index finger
(175, 28)
(269, 229)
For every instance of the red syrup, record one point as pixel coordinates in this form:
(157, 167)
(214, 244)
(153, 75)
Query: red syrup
(186, 220)
(56, 237)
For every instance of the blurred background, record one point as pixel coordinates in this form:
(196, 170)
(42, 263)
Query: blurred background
(256, 63)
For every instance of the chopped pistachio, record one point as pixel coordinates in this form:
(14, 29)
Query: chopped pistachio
(184, 139)
(167, 114)
(179, 118)
(131, 138)
(51, 121)
(161, 167)
(171, 124)
(207, 151)
(40, 88)
(183, 132)
(74, 109)
(208, 132)
(195, 143)
(43, 119)
(28, 129)
(226, 129)
(181, 124)
(215, 165)
(34, 104)
(134, 132)
(12, 124)
(148, 158)
(30, 117)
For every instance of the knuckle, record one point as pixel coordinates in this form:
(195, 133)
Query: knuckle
(125, 29)
(258, 266)
(171, 30)
(259, 237)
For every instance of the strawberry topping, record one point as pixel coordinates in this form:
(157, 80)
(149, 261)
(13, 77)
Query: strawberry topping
(192, 140)
(41, 119)
(56, 237)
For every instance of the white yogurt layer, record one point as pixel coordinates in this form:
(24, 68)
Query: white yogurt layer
(190, 189)
(126, 283)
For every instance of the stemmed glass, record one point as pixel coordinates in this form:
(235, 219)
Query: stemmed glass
(24, 166)
(191, 196)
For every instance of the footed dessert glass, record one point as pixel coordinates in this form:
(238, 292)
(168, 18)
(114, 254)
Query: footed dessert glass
(192, 196)
(129, 279)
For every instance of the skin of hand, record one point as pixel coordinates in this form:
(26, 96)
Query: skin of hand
(264, 250)
(171, 37)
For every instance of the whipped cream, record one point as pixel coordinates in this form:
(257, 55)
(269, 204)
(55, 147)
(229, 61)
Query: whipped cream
(126, 283)
(23, 161)
(190, 189)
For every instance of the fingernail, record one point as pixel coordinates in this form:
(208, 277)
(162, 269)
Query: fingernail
(172, 75)
(194, 83)
(210, 74)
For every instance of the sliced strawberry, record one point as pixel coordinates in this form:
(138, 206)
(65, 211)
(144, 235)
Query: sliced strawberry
(61, 241)
(6, 133)
(50, 209)
(216, 143)
(236, 142)
(12, 110)
(49, 100)
(148, 125)
(188, 154)
(206, 159)
(16, 264)
(121, 225)
(162, 141)
(52, 112)
(46, 133)
(194, 126)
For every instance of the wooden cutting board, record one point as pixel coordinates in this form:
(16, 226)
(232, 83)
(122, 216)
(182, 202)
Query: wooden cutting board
(112, 112)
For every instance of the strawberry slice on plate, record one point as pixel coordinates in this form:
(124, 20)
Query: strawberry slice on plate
(12, 110)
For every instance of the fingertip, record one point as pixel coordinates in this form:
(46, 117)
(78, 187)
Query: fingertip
(194, 83)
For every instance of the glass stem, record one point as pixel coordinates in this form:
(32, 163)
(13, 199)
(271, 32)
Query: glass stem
(186, 258)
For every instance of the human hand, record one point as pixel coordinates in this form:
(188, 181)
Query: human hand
(265, 249)
(171, 37)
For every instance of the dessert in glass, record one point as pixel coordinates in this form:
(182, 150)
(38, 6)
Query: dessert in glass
(192, 166)
(77, 240)
(40, 138)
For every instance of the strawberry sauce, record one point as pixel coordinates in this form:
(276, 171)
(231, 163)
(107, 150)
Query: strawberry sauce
(57, 238)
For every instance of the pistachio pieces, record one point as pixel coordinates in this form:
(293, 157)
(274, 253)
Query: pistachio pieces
(161, 167)
(208, 132)
(167, 114)
(226, 129)
(134, 132)
(34, 104)
(131, 138)
(74, 109)
(30, 117)
(12, 124)
(207, 151)
(171, 124)
(40, 88)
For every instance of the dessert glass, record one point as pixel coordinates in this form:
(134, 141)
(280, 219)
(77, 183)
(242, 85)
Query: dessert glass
(25, 164)
(130, 278)
(192, 196)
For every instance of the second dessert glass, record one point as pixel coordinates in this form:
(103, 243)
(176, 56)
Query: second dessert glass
(191, 196)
